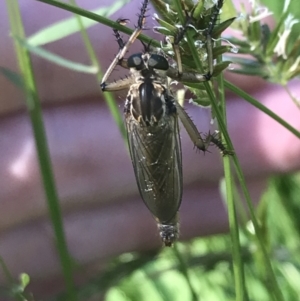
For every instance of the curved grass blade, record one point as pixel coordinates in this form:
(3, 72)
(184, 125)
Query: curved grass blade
(58, 60)
(13, 77)
(62, 29)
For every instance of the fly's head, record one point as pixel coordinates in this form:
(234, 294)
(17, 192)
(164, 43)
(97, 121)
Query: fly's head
(148, 66)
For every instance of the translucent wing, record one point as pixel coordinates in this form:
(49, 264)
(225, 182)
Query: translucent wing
(156, 156)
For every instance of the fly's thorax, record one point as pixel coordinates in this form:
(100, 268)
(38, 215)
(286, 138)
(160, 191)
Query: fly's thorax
(146, 102)
(146, 99)
(159, 76)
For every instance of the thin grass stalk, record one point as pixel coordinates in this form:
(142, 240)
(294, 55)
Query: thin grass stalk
(260, 239)
(238, 266)
(237, 261)
(241, 178)
(35, 113)
(261, 107)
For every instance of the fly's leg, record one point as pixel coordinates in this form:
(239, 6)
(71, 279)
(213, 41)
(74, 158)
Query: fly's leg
(195, 136)
(209, 45)
(117, 33)
(123, 83)
(187, 122)
(190, 128)
(124, 46)
(216, 140)
(105, 86)
(178, 37)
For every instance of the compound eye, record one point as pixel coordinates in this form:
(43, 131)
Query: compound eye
(157, 61)
(135, 61)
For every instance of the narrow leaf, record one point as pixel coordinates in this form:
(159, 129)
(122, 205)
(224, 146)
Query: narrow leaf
(58, 60)
(69, 26)
(13, 77)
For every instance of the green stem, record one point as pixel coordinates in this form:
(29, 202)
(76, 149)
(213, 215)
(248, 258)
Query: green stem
(238, 267)
(237, 263)
(100, 19)
(35, 113)
(261, 107)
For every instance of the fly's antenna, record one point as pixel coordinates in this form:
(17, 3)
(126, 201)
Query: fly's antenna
(147, 46)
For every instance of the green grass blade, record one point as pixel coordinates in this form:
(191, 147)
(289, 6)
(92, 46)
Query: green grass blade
(99, 19)
(238, 268)
(13, 77)
(69, 26)
(35, 113)
(58, 60)
(261, 107)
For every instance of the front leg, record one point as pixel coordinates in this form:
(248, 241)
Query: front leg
(124, 46)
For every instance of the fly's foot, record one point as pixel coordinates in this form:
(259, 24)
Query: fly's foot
(215, 139)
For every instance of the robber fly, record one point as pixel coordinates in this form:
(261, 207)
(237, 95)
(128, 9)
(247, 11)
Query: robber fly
(151, 118)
